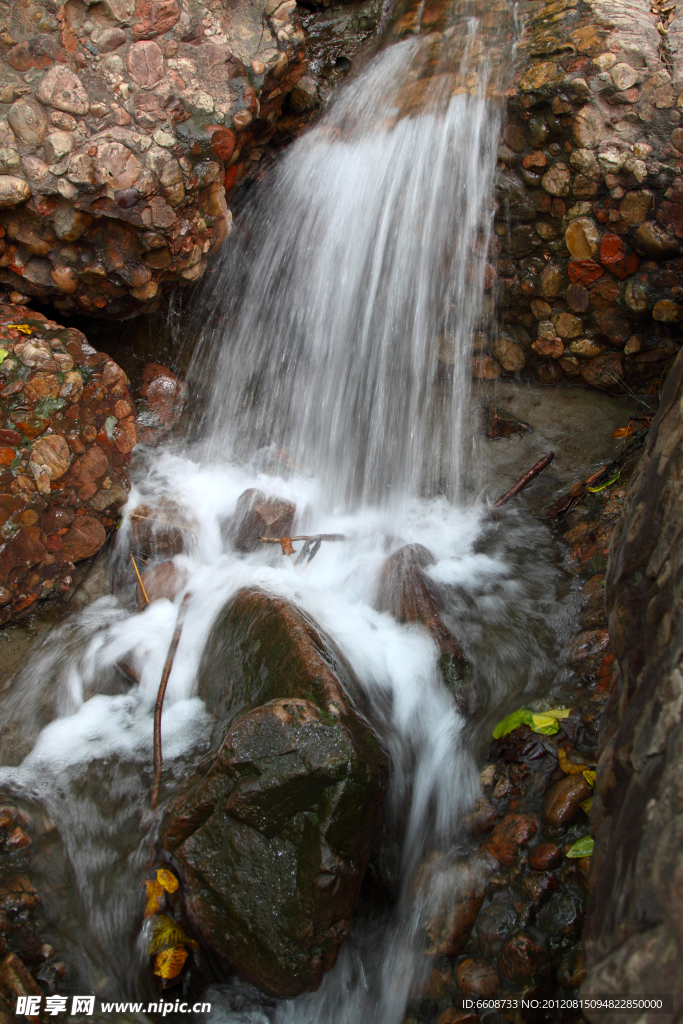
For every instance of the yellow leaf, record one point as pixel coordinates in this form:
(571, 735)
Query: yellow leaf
(167, 879)
(24, 328)
(589, 776)
(567, 766)
(559, 713)
(155, 893)
(286, 545)
(166, 933)
(169, 963)
(586, 804)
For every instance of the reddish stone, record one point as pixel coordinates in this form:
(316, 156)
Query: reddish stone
(449, 931)
(544, 856)
(256, 516)
(486, 368)
(27, 546)
(7, 456)
(584, 271)
(89, 467)
(538, 883)
(12, 437)
(155, 18)
(535, 159)
(54, 543)
(578, 297)
(604, 372)
(57, 519)
(9, 504)
(164, 396)
(125, 435)
(161, 581)
(613, 255)
(84, 539)
(616, 328)
(509, 834)
(223, 143)
(31, 53)
(550, 372)
(549, 348)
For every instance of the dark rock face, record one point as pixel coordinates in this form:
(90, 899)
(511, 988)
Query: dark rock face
(633, 939)
(272, 834)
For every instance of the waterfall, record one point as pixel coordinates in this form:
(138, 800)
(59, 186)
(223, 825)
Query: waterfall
(333, 344)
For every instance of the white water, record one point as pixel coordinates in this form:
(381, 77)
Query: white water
(335, 293)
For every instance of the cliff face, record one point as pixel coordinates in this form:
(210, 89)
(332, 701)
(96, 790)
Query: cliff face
(122, 125)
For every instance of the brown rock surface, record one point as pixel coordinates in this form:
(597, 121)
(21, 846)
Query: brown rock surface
(62, 477)
(633, 940)
(125, 126)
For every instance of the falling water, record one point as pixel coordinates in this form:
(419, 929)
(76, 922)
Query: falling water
(336, 335)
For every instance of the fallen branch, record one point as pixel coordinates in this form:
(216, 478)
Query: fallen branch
(525, 479)
(317, 536)
(137, 573)
(168, 665)
(311, 544)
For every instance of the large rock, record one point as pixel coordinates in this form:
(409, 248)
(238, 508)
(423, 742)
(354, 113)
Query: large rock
(66, 434)
(271, 835)
(122, 127)
(633, 939)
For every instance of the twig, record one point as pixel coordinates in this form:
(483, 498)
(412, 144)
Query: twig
(142, 585)
(525, 479)
(317, 536)
(168, 665)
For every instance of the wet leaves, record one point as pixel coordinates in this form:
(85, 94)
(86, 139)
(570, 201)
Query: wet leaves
(170, 962)
(582, 847)
(546, 722)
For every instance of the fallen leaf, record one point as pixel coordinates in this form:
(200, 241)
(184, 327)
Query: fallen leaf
(612, 480)
(166, 933)
(167, 879)
(589, 776)
(155, 894)
(582, 847)
(24, 328)
(169, 963)
(623, 431)
(567, 766)
(3, 354)
(286, 545)
(586, 804)
(544, 722)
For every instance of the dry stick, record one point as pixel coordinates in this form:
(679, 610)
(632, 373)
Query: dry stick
(158, 759)
(316, 536)
(142, 585)
(525, 479)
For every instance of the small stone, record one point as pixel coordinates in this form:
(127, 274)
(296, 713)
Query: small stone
(567, 326)
(61, 88)
(635, 296)
(659, 90)
(546, 330)
(551, 281)
(477, 977)
(586, 162)
(544, 857)
(582, 238)
(28, 120)
(83, 539)
(667, 312)
(116, 166)
(509, 834)
(624, 76)
(110, 39)
(13, 191)
(550, 372)
(164, 396)
(522, 956)
(614, 257)
(241, 120)
(588, 127)
(541, 310)
(586, 348)
(509, 354)
(556, 180)
(677, 139)
(578, 297)
(49, 460)
(535, 159)
(655, 240)
(632, 346)
(562, 801)
(145, 63)
(57, 146)
(635, 206)
(584, 271)
(548, 348)
(485, 368)
(538, 75)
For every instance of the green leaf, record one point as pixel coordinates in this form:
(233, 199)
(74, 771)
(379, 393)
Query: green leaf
(544, 722)
(512, 722)
(3, 354)
(582, 847)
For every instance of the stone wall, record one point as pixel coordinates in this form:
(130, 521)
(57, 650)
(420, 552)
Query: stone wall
(122, 125)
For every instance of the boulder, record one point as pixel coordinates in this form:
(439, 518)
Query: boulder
(271, 835)
(63, 470)
(163, 396)
(257, 516)
(136, 120)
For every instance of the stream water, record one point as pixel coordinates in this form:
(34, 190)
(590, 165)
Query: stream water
(333, 346)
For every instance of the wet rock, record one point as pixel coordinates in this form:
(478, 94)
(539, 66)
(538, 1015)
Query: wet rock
(477, 977)
(164, 529)
(561, 915)
(562, 801)
(509, 354)
(505, 425)
(165, 580)
(496, 922)
(62, 481)
(163, 398)
(485, 368)
(571, 971)
(523, 955)
(257, 516)
(544, 857)
(449, 929)
(514, 831)
(272, 834)
(406, 591)
(605, 371)
(453, 1016)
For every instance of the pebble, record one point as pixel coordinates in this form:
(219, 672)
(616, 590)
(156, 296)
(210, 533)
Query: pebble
(562, 801)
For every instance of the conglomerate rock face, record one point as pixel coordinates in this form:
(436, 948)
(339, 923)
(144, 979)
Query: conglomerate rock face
(67, 429)
(122, 124)
(633, 937)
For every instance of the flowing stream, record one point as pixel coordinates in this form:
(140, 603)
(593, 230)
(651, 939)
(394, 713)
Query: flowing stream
(332, 370)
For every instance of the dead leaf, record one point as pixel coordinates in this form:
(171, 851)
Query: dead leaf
(567, 766)
(169, 963)
(286, 545)
(24, 328)
(166, 933)
(623, 431)
(155, 893)
(167, 879)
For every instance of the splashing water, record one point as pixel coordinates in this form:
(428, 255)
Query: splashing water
(340, 324)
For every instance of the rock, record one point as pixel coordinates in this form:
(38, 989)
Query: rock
(163, 529)
(405, 591)
(13, 191)
(161, 581)
(614, 256)
(560, 916)
(485, 368)
(556, 180)
(449, 929)
(55, 456)
(509, 354)
(508, 836)
(604, 372)
(256, 516)
(149, 98)
(453, 1016)
(549, 348)
(290, 795)
(571, 971)
(522, 956)
(495, 923)
(562, 800)
(582, 238)
(163, 399)
(477, 978)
